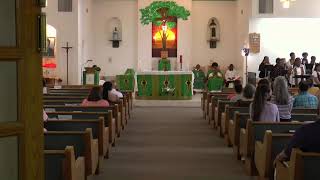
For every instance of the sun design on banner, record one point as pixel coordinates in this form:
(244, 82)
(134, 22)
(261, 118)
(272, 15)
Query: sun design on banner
(158, 35)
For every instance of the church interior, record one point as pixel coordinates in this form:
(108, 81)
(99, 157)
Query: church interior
(159, 89)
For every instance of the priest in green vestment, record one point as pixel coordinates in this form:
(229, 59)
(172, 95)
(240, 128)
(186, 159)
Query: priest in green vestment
(199, 78)
(215, 78)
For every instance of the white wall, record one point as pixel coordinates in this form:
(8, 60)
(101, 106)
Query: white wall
(280, 36)
(202, 12)
(114, 61)
(66, 24)
(286, 30)
(298, 9)
(85, 30)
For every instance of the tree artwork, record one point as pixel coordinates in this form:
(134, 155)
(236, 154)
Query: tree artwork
(162, 13)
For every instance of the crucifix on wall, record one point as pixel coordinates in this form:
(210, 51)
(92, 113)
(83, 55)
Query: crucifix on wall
(67, 48)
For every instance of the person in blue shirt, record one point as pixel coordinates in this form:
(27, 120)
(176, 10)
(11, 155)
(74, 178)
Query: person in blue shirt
(305, 99)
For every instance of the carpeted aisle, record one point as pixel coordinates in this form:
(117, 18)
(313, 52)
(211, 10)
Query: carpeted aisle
(170, 143)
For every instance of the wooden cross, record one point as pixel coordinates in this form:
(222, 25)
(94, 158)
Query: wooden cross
(67, 48)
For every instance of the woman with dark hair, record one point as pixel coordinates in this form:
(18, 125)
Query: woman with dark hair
(95, 99)
(261, 109)
(107, 92)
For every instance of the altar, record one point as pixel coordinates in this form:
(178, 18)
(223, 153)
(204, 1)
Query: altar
(165, 85)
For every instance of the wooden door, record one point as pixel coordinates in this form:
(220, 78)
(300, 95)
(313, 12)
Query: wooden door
(21, 126)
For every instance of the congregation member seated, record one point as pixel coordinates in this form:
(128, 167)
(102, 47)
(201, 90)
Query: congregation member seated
(279, 69)
(263, 67)
(305, 99)
(109, 93)
(231, 76)
(282, 98)
(261, 109)
(298, 70)
(316, 75)
(115, 91)
(306, 138)
(95, 98)
(199, 77)
(312, 89)
(248, 93)
(45, 119)
(238, 89)
(215, 78)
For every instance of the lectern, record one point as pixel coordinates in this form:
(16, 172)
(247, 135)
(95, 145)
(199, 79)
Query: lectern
(91, 76)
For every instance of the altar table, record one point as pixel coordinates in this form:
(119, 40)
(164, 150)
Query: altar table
(165, 85)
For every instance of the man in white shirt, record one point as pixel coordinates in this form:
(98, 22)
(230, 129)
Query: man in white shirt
(231, 75)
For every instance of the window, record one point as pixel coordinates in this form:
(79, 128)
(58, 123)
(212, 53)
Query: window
(65, 5)
(265, 6)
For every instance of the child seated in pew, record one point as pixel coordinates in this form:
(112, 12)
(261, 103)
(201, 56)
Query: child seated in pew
(110, 94)
(261, 109)
(238, 89)
(248, 93)
(282, 98)
(95, 99)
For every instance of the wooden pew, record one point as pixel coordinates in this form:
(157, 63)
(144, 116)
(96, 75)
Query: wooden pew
(266, 152)
(220, 108)
(212, 108)
(254, 132)
(229, 113)
(302, 166)
(235, 126)
(62, 164)
(227, 116)
(109, 121)
(99, 131)
(63, 102)
(209, 102)
(120, 114)
(83, 143)
(113, 109)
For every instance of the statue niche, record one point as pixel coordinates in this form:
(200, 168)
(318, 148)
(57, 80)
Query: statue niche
(213, 32)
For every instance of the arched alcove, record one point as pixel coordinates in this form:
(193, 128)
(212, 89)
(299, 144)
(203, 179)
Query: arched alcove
(113, 23)
(213, 32)
(114, 30)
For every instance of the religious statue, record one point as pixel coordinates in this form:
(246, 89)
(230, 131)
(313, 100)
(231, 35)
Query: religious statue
(115, 34)
(213, 29)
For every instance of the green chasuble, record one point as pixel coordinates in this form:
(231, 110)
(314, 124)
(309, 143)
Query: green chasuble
(164, 65)
(215, 80)
(199, 78)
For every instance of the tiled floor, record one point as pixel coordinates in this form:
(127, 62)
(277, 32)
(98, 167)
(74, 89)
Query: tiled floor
(170, 143)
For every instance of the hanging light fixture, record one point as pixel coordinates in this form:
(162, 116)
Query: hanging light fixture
(286, 3)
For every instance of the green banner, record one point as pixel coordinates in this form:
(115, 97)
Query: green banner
(125, 82)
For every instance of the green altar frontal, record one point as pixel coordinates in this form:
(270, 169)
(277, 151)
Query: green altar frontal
(126, 82)
(165, 86)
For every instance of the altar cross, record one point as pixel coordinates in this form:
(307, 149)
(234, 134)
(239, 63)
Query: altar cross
(67, 48)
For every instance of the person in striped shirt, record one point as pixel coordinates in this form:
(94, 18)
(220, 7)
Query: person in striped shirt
(282, 98)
